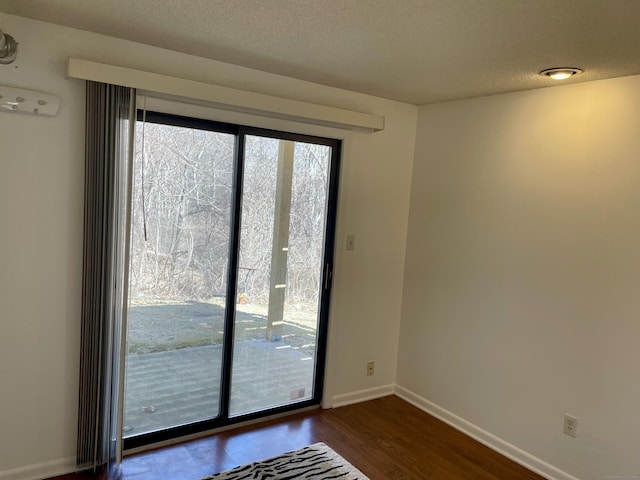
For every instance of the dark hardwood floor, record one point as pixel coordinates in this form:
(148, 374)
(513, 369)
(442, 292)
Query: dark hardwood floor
(385, 438)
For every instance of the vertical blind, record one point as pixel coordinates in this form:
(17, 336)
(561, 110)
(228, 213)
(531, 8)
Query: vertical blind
(109, 138)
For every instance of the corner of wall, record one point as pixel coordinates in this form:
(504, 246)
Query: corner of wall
(495, 443)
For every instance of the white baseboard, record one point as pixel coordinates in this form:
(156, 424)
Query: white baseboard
(54, 468)
(38, 471)
(362, 395)
(494, 443)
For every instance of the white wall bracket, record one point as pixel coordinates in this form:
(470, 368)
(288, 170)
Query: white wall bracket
(21, 100)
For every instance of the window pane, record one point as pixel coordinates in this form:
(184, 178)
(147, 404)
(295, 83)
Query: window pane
(178, 276)
(284, 206)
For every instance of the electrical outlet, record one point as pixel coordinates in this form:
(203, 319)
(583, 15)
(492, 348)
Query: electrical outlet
(570, 426)
(370, 368)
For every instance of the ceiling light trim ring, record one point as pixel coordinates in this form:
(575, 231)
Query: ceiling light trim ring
(561, 73)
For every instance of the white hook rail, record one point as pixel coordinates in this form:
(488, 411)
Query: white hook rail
(20, 100)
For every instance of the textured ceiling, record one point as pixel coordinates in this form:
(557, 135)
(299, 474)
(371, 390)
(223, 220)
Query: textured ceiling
(417, 51)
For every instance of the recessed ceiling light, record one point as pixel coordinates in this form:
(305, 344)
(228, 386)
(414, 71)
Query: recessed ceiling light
(560, 73)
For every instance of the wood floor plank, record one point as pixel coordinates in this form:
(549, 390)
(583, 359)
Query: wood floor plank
(385, 438)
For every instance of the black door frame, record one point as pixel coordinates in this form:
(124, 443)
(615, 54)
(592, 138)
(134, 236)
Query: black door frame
(240, 132)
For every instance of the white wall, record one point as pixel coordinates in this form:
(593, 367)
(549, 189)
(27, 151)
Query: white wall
(521, 296)
(41, 209)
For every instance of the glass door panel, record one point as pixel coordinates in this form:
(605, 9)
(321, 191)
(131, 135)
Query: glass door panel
(282, 238)
(179, 255)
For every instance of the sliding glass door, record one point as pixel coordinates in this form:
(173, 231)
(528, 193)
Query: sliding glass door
(230, 264)
(282, 236)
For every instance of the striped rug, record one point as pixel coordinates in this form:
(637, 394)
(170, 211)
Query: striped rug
(315, 462)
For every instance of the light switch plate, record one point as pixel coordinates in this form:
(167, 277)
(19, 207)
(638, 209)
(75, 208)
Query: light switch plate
(351, 242)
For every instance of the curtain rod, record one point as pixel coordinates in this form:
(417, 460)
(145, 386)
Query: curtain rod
(225, 97)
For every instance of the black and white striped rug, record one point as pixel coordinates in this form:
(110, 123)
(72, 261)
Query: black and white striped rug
(315, 462)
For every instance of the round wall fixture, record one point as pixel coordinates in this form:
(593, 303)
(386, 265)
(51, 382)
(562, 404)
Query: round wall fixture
(561, 73)
(8, 48)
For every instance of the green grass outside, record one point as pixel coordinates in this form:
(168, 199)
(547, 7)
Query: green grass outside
(159, 327)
